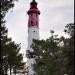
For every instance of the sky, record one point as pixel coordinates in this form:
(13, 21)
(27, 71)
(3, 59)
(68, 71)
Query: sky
(55, 15)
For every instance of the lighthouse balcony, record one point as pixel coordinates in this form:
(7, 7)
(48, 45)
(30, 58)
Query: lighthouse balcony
(30, 54)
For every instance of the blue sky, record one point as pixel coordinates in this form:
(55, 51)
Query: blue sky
(55, 14)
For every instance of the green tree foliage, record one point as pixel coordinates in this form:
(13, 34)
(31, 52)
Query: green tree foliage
(10, 56)
(6, 5)
(69, 48)
(52, 57)
(46, 52)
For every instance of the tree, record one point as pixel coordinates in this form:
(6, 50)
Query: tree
(69, 48)
(52, 57)
(5, 6)
(47, 56)
(4, 55)
(9, 49)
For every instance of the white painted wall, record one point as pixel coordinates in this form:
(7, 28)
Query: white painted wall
(33, 33)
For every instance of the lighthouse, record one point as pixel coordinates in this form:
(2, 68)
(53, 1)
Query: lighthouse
(33, 33)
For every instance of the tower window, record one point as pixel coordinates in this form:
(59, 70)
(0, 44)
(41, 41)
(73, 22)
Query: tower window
(34, 31)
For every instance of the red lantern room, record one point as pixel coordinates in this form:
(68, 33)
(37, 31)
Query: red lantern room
(33, 13)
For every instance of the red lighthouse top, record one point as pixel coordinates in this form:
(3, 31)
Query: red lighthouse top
(33, 8)
(33, 13)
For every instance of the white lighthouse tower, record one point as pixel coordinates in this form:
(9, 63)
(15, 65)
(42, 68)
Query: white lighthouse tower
(33, 33)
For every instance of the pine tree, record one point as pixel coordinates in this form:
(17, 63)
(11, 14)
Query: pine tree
(10, 56)
(69, 49)
(52, 57)
(46, 56)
